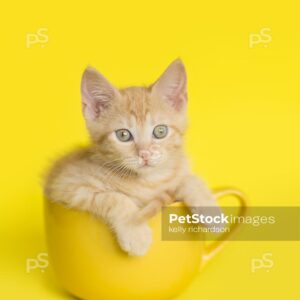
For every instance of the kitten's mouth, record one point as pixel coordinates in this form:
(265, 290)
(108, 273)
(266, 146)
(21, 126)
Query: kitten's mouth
(146, 164)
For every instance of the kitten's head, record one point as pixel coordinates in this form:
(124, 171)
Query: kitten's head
(138, 129)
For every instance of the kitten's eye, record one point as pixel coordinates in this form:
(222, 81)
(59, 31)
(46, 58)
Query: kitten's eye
(160, 131)
(124, 135)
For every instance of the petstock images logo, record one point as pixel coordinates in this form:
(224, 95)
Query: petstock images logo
(207, 223)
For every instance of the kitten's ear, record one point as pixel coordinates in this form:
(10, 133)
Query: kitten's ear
(96, 93)
(172, 85)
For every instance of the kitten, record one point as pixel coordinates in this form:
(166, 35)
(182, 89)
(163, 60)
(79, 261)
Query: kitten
(135, 162)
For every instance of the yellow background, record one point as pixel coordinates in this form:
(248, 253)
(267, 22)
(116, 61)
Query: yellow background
(244, 112)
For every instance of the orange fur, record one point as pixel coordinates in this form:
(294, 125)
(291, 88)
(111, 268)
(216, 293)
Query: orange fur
(107, 178)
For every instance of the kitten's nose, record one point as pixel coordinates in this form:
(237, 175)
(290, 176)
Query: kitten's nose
(144, 154)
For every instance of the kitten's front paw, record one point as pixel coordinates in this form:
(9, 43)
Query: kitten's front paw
(134, 239)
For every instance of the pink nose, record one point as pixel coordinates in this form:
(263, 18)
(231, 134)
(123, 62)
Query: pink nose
(144, 154)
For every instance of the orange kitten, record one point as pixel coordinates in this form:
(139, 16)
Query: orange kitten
(135, 162)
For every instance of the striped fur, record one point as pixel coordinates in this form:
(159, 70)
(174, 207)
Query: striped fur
(107, 178)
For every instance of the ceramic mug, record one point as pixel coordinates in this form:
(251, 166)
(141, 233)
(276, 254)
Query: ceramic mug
(89, 263)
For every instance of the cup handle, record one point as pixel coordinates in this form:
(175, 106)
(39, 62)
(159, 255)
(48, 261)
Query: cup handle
(211, 250)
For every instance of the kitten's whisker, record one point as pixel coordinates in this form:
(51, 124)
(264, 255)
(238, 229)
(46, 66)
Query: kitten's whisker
(111, 172)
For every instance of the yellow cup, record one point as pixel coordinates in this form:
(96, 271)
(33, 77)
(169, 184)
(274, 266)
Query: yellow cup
(90, 265)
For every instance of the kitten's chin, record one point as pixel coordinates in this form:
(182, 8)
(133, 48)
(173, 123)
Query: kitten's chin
(154, 170)
(145, 169)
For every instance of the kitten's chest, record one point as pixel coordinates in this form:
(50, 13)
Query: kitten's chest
(144, 194)
(143, 191)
